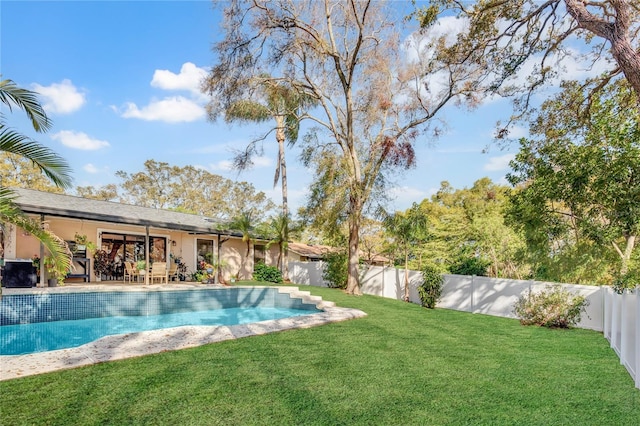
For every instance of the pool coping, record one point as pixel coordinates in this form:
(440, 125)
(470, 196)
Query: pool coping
(123, 346)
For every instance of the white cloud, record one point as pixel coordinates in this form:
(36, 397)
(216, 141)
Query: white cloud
(405, 195)
(189, 78)
(60, 98)
(79, 140)
(497, 164)
(90, 168)
(223, 165)
(171, 110)
(261, 162)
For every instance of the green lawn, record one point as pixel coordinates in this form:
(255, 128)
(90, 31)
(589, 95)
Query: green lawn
(400, 365)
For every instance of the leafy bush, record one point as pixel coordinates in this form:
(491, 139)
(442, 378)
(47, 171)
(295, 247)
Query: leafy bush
(271, 274)
(470, 266)
(431, 288)
(552, 307)
(335, 269)
(628, 281)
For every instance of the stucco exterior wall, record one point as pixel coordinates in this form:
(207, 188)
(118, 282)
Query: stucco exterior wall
(179, 244)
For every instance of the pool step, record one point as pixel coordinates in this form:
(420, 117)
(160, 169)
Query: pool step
(306, 297)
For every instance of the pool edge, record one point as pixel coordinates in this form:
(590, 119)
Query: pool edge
(131, 345)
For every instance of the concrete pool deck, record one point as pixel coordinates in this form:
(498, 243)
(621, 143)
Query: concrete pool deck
(111, 348)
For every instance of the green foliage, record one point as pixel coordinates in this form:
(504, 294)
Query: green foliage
(55, 270)
(552, 307)
(198, 275)
(50, 164)
(578, 192)
(431, 288)
(470, 222)
(263, 272)
(630, 280)
(334, 271)
(470, 266)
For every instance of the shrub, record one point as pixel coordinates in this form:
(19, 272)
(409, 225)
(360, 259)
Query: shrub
(470, 266)
(552, 307)
(335, 269)
(271, 274)
(431, 288)
(628, 281)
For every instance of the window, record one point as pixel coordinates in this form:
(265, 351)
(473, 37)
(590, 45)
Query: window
(205, 252)
(259, 254)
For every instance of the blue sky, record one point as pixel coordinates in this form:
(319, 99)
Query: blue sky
(119, 79)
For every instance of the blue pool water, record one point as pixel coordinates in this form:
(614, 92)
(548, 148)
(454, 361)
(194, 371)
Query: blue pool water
(44, 322)
(47, 336)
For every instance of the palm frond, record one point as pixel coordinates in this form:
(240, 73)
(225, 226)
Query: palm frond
(57, 248)
(27, 100)
(51, 164)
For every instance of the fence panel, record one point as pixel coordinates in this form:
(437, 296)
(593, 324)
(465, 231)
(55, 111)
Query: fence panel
(492, 296)
(457, 293)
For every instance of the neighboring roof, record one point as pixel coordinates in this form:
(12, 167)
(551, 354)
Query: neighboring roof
(310, 251)
(317, 252)
(47, 203)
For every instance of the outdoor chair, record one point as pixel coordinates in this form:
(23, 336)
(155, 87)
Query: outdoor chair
(173, 272)
(159, 272)
(130, 272)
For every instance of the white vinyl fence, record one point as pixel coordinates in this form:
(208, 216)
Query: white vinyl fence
(617, 316)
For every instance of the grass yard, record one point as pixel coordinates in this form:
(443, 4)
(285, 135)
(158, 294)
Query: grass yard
(401, 365)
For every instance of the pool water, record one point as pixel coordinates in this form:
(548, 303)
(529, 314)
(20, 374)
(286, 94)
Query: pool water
(31, 323)
(23, 339)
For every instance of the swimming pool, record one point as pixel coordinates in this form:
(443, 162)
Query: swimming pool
(31, 323)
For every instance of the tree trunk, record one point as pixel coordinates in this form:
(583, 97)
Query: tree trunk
(625, 256)
(282, 168)
(353, 284)
(616, 32)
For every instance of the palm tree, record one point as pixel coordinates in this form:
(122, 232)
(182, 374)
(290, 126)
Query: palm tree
(407, 229)
(244, 223)
(278, 229)
(285, 105)
(51, 164)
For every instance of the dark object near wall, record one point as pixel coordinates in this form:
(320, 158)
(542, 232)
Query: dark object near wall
(18, 273)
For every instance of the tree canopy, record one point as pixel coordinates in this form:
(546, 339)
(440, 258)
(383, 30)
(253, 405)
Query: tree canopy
(580, 179)
(524, 45)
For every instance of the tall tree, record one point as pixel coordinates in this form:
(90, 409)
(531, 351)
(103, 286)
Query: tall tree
(191, 190)
(532, 38)
(580, 174)
(408, 230)
(372, 95)
(107, 192)
(20, 172)
(468, 226)
(47, 161)
(264, 99)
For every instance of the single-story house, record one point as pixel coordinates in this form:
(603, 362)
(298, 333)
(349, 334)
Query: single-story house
(131, 233)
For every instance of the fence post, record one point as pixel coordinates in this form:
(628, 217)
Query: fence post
(472, 291)
(637, 372)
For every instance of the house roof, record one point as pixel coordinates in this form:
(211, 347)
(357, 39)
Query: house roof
(61, 205)
(310, 251)
(318, 251)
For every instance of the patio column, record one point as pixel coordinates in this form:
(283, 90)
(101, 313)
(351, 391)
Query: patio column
(146, 255)
(42, 271)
